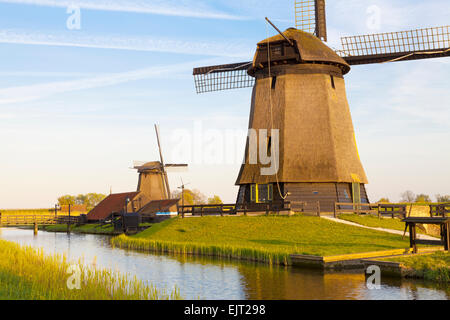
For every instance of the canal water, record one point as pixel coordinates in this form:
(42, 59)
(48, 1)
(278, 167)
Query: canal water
(207, 278)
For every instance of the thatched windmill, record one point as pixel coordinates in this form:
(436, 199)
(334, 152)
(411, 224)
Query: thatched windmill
(153, 182)
(152, 194)
(299, 89)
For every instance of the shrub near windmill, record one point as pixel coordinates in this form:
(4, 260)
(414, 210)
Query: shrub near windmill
(299, 105)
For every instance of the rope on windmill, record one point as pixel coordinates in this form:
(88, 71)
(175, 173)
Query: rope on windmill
(271, 111)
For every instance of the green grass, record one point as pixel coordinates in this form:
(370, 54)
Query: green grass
(28, 274)
(375, 222)
(434, 266)
(87, 228)
(266, 239)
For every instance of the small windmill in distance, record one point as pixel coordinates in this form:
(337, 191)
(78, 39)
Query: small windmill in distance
(153, 180)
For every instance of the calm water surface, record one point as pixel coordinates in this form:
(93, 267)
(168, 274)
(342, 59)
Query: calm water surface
(207, 278)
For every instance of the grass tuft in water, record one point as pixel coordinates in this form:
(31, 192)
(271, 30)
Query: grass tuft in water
(27, 274)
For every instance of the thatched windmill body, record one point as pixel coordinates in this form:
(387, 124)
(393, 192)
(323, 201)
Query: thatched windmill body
(299, 90)
(153, 183)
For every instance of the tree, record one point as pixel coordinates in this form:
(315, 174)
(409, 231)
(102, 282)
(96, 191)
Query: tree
(407, 196)
(191, 197)
(442, 199)
(93, 199)
(423, 198)
(66, 200)
(384, 200)
(80, 199)
(199, 198)
(90, 200)
(215, 200)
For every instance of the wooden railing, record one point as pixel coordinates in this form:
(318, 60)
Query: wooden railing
(393, 210)
(379, 209)
(233, 209)
(23, 220)
(358, 208)
(440, 210)
(275, 206)
(207, 209)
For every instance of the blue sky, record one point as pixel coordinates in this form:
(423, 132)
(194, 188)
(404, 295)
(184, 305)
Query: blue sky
(78, 106)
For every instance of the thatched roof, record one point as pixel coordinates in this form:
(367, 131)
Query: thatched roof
(149, 166)
(311, 48)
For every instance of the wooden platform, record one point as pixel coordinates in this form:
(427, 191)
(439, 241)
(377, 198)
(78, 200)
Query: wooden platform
(443, 222)
(349, 261)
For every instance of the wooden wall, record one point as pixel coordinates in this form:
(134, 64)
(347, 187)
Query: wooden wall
(326, 193)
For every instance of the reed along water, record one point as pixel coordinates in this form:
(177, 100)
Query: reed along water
(208, 278)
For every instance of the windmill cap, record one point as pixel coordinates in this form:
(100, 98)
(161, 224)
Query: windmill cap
(311, 48)
(153, 165)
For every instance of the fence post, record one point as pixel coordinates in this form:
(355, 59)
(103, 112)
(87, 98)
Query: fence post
(335, 208)
(267, 209)
(318, 208)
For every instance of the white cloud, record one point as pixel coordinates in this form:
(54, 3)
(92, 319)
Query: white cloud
(7, 116)
(160, 7)
(38, 91)
(71, 39)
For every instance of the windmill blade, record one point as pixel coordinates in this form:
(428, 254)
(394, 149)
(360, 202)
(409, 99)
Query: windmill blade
(176, 167)
(310, 17)
(223, 77)
(164, 173)
(396, 46)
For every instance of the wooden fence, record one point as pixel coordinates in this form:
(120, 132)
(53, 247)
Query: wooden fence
(233, 209)
(360, 208)
(440, 210)
(24, 220)
(393, 210)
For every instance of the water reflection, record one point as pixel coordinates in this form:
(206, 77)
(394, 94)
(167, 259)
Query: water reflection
(207, 278)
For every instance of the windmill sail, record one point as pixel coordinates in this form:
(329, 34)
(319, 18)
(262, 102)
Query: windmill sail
(310, 17)
(223, 77)
(396, 46)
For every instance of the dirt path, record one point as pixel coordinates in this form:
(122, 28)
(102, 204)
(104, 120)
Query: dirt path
(419, 236)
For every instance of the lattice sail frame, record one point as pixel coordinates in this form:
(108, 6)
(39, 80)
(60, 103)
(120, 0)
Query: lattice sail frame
(310, 17)
(428, 40)
(223, 77)
(305, 15)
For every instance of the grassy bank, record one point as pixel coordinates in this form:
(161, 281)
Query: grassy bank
(28, 274)
(87, 228)
(375, 222)
(434, 266)
(265, 239)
